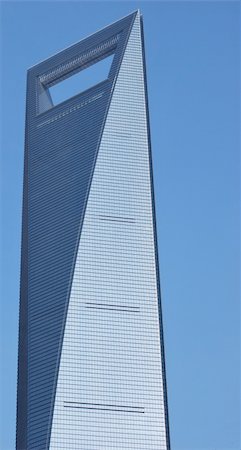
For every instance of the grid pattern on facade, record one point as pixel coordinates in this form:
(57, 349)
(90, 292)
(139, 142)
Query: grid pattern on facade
(91, 365)
(110, 386)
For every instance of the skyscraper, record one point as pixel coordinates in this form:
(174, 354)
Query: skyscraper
(91, 369)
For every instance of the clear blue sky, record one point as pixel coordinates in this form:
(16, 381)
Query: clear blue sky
(193, 82)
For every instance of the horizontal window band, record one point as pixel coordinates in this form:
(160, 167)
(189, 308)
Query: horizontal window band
(112, 305)
(104, 407)
(111, 309)
(116, 218)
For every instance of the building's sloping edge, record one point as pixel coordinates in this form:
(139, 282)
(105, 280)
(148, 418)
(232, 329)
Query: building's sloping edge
(21, 429)
(156, 250)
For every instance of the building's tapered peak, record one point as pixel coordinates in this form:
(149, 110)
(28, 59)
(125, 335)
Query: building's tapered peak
(111, 40)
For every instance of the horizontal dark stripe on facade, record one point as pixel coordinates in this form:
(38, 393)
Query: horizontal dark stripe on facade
(104, 407)
(111, 309)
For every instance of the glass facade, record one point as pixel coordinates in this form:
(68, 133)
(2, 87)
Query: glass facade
(91, 359)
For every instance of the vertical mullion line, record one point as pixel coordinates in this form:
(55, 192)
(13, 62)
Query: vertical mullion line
(156, 248)
(79, 234)
(22, 378)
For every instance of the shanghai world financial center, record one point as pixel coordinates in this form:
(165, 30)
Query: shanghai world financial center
(91, 370)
